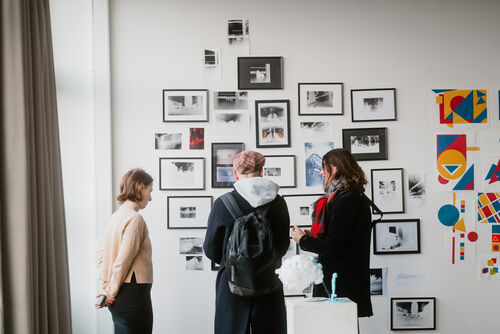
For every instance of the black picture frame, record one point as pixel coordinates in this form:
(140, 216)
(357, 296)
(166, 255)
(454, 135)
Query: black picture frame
(420, 311)
(222, 163)
(369, 143)
(330, 103)
(260, 73)
(176, 108)
(288, 176)
(396, 236)
(272, 123)
(387, 187)
(171, 179)
(188, 219)
(373, 105)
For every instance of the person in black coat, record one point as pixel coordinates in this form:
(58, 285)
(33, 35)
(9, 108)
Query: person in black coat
(234, 314)
(341, 231)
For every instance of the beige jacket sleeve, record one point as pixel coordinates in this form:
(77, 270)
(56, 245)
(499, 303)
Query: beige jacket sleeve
(132, 238)
(100, 263)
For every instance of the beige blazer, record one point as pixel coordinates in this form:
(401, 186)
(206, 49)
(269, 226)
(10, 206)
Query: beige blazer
(127, 249)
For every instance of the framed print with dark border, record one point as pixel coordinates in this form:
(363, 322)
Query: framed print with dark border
(222, 163)
(371, 105)
(413, 313)
(272, 123)
(300, 208)
(366, 144)
(280, 169)
(182, 173)
(185, 105)
(396, 236)
(260, 73)
(321, 98)
(387, 189)
(188, 212)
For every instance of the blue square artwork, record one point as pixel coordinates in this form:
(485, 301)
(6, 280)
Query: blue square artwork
(314, 157)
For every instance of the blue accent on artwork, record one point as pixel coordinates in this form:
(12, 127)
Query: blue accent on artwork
(479, 93)
(465, 108)
(451, 168)
(495, 229)
(480, 101)
(448, 215)
(461, 258)
(437, 91)
(493, 221)
(479, 217)
(444, 142)
(482, 116)
(496, 206)
(490, 172)
(467, 179)
(313, 169)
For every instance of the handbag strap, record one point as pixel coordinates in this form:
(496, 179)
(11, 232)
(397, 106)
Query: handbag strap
(376, 209)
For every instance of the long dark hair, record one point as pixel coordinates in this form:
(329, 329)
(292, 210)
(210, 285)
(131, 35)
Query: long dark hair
(347, 168)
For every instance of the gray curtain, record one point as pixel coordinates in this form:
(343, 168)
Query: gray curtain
(34, 257)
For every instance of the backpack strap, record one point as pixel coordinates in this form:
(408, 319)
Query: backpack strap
(231, 205)
(376, 209)
(264, 209)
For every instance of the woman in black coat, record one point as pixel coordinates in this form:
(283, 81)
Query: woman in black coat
(341, 231)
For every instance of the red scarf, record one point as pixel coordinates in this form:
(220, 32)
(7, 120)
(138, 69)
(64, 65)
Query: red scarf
(319, 213)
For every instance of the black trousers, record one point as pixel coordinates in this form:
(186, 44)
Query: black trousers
(132, 312)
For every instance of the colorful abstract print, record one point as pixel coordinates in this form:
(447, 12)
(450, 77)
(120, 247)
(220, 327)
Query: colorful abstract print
(488, 208)
(461, 106)
(452, 162)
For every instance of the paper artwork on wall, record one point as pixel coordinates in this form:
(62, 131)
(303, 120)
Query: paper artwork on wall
(416, 190)
(238, 36)
(489, 267)
(490, 176)
(231, 100)
(378, 281)
(229, 124)
(168, 141)
(488, 207)
(314, 152)
(495, 238)
(211, 65)
(191, 245)
(457, 106)
(196, 138)
(194, 262)
(321, 130)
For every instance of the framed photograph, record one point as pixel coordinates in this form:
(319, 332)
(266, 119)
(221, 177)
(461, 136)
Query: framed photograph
(396, 236)
(272, 123)
(413, 313)
(300, 208)
(387, 189)
(371, 105)
(182, 173)
(260, 73)
(378, 281)
(366, 144)
(185, 105)
(321, 98)
(280, 169)
(222, 163)
(188, 212)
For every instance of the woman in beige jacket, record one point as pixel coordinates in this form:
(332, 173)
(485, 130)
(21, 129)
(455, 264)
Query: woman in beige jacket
(125, 260)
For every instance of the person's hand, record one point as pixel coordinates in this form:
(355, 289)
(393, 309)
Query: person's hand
(297, 233)
(107, 302)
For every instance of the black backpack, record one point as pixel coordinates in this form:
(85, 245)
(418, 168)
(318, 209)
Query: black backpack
(250, 254)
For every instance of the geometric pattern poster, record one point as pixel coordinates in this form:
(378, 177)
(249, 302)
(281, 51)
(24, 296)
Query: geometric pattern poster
(461, 106)
(490, 176)
(488, 208)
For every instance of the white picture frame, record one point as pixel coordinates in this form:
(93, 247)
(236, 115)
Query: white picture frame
(300, 208)
(321, 98)
(388, 189)
(188, 212)
(372, 105)
(280, 169)
(182, 174)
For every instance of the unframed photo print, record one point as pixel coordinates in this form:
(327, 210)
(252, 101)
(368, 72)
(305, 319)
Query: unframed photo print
(321, 130)
(196, 138)
(168, 141)
(416, 190)
(231, 100)
(191, 245)
(314, 158)
(194, 262)
(231, 124)
(238, 36)
(211, 65)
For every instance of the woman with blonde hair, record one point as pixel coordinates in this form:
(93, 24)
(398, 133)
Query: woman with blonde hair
(125, 262)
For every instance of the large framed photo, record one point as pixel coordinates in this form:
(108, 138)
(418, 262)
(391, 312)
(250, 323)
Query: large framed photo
(185, 105)
(370, 105)
(260, 73)
(188, 212)
(300, 208)
(280, 169)
(413, 313)
(272, 123)
(182, 173)
(387, 189)
(366, 144)
(222, 163)
(321, 98)
(396, 236)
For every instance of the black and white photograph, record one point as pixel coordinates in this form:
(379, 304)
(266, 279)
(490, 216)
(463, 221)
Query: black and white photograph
(413, 313)
(222, 163)
(378, 281)
(300, 208)
(232, 125)
(185, 105)
(272, 123)
(188, 212)
(168, 141)
(314, 152)
(190, 245)
(371, 105)
(231, 100)
(388, 189)
(260, 73)
(416, 190)
(320, 130)
(182, 173)
(194, 262)
(211, 68)
(321, 98)
(366, 143)
(238, 36)
(280, 169)
(396, 236)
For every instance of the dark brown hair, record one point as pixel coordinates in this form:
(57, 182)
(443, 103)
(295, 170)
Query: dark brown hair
(347, 168)
(130, 185)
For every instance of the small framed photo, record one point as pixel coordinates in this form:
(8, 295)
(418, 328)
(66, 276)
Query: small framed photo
(413, 313)
(260, 73)
(222, 163)
(185, 105)
(280, 169)
(300, 208)
(182, 173)
(387, 189)
(366, 144)
(378, 281)
(321, 98)
(396, 236)
(188, 212)
(371, 105)
(272, 123)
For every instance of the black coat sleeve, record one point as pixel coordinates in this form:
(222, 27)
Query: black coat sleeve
(216, 232)
(282, 232)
